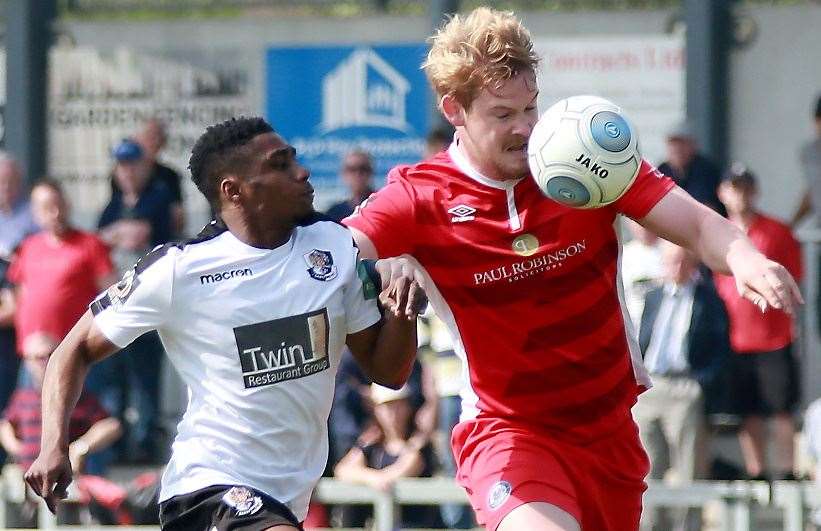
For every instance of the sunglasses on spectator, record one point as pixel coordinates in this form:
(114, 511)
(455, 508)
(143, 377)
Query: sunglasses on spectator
(361, 168)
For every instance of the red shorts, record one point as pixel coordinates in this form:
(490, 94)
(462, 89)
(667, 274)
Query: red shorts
(504, 464)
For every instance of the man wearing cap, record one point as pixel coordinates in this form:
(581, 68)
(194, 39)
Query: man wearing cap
(691, 169)
(764, 367)
(136, 219)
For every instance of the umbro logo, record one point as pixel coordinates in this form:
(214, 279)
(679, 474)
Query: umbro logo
(461, 213)
(225, 275)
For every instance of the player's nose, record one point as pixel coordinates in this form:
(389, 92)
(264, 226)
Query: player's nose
(303, 174)
(524, 126)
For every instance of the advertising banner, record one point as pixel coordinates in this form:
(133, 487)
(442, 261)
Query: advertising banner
(329, 100)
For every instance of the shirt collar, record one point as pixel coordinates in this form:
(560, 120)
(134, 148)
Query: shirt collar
(461, 161)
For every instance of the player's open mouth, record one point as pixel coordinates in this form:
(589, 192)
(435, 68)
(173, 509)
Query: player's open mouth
(518, 147)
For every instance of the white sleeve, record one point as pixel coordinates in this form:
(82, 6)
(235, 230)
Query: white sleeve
(360, 296)
(140, 302)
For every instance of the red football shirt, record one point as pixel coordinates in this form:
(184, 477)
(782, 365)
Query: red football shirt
(528, 287)
(57, 281)
(751, 330)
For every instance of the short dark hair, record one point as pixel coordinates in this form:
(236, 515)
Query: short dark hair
(219, 150)
(818, 107)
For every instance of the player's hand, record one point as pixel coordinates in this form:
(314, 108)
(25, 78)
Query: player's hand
(49, 476)
(402, 292)
(767, 283)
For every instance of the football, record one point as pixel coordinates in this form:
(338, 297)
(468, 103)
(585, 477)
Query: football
(583, 152)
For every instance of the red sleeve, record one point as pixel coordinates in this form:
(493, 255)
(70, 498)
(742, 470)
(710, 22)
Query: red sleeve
(647, 190)
(388, 217)
(99, 258)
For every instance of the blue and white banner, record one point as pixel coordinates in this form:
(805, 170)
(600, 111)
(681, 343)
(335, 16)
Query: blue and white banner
(327, 101)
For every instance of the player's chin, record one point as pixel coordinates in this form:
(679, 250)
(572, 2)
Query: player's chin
(516, 164)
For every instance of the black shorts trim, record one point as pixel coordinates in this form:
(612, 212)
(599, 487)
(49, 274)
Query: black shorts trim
(223, 508)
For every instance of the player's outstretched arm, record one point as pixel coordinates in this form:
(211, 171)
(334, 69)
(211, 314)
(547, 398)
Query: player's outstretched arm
(50, 474)
(723, 248)
(386, 350)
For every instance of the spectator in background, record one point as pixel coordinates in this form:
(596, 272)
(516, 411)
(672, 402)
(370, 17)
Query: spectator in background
(91, 428)
(152, 139)
(9, 361)
(351, 415)
(810, 157)
(351, 420)
(689, 168)
(56, 274)
(641, 268)
(765, 370)
(394, 455)
(447, 367)
(16, 221)
(138, 216)
(357, 174)
(136, 219)
(684, 338)
(438, 139)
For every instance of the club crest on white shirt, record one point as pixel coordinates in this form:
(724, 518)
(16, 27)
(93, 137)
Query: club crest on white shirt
(243, 500)
(320, 265)
(119, 292)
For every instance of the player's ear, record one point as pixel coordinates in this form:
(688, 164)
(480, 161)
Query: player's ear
(230, 188)
(453, 110)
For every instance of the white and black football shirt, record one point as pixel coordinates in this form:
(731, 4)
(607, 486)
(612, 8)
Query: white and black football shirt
(256, 334)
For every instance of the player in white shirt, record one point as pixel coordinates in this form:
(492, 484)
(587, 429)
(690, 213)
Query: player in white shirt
(253, 314)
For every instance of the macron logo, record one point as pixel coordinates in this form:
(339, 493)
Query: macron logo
(224, 275)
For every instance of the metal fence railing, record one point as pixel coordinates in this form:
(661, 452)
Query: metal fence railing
(736, 500)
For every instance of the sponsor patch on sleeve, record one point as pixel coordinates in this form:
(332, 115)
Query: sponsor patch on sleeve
(368, 286)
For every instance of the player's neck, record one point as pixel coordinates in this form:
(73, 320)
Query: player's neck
(256, 235)
(471, 153)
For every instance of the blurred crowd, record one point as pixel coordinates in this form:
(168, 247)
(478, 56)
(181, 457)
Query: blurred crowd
(716, 359)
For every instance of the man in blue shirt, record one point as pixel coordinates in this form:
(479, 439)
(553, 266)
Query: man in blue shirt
(690, 169)
(136, 219)
(357, 174)
(16, 221)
